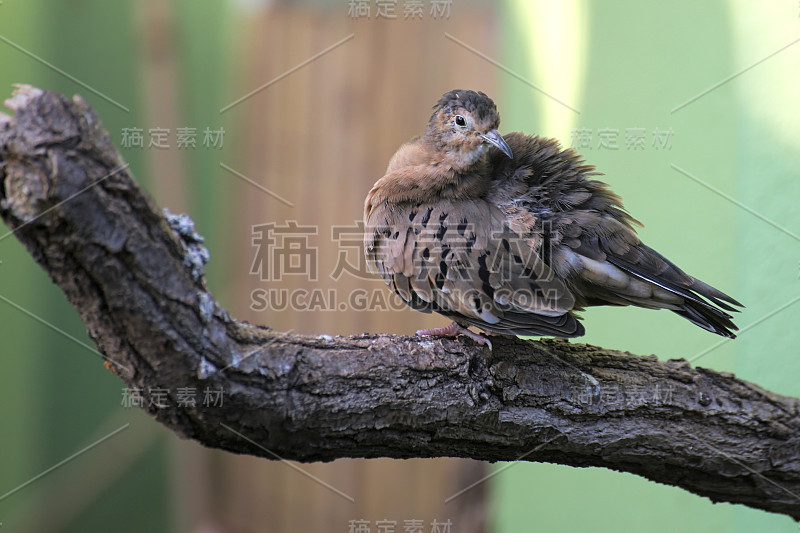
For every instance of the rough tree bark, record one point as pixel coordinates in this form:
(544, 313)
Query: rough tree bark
(136, 278)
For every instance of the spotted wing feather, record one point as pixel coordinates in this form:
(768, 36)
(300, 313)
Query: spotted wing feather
(461, 259)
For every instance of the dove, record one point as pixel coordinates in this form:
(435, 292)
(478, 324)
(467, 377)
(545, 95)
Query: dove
(515, 235)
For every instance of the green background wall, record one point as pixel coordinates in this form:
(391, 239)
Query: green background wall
(642, 60)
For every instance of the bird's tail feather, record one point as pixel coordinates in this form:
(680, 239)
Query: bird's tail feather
(703, 305)
(708, 318)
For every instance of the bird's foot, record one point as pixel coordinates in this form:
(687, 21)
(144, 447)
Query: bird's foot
(454, 330)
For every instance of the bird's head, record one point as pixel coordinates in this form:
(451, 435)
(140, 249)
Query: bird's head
(464, 127)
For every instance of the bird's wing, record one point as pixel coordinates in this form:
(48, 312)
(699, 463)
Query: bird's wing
(603, 260)
(461, 259)
(590, 240)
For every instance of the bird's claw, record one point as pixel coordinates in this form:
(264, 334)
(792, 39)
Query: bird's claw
(454, 330)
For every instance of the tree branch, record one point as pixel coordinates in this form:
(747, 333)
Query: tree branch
(136, 279)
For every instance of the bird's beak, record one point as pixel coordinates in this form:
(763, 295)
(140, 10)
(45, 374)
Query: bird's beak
(494, 138)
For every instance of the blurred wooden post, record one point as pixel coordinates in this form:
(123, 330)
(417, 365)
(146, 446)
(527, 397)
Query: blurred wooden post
(319, 138)
(160, 75)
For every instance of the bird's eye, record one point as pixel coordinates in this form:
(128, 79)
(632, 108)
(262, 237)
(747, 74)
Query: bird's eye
(460, 121)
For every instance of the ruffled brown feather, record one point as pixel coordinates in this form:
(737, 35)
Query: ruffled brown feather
(516, 246)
